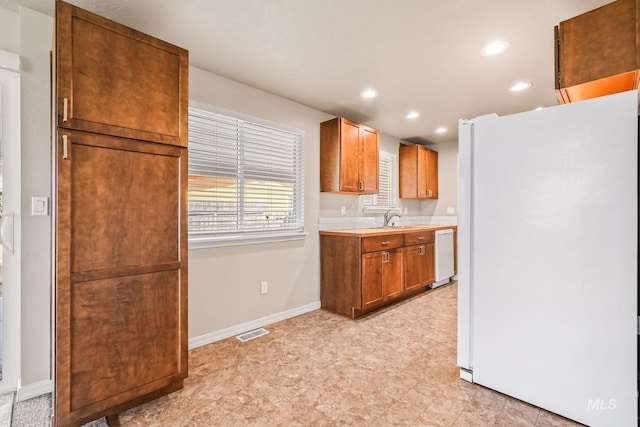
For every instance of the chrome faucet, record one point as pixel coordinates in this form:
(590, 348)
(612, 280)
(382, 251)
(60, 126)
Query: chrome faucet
(388, 217)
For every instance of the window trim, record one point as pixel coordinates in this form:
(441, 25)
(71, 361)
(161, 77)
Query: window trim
(244, 239)
(249, 238)
(393, 159)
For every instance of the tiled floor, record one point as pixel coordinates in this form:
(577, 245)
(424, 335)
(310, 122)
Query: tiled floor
(396, 367)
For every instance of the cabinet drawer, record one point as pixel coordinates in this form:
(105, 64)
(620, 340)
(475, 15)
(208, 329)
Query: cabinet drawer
(418, 237)
(379, 243)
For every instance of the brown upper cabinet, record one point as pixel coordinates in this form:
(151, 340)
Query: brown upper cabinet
(418, 170)
(113, 80)
(348, 157)
(597, 52)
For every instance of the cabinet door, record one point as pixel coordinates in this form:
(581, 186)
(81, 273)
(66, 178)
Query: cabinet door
(349, 156)
(423, 172)
(429, 263)
(121, 273)
(369, 160)
(413, 268)
(114, 80)
(372, 279)
(432, 174)
(408, 171)
(599, 44)
(392, 269)
(418, 172)
(416, 267)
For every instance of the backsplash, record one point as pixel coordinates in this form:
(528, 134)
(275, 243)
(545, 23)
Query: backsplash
(340, 223)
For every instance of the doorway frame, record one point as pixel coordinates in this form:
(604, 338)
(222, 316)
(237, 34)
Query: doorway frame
(10, 104)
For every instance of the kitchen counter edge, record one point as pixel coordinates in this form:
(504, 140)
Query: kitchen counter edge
(368, 232)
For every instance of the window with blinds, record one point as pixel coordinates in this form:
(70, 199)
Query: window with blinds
(387, 196)
(246, 178)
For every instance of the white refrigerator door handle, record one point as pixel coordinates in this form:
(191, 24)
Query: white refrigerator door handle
(6, 231)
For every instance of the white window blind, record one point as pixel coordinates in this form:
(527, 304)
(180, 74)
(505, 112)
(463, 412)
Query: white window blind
(387, 196)
(246, 178)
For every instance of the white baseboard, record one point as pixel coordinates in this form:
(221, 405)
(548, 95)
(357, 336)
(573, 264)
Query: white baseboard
(248, 326)
(39, 388)
(32, 390)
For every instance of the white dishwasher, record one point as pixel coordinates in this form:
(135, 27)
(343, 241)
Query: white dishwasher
(444, 257)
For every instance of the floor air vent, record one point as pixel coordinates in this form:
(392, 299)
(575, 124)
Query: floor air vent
(252, 334)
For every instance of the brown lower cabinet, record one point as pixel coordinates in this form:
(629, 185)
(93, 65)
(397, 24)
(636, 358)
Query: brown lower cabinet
(362, 273)
(419, 259)
(419, 271)
(381, 277)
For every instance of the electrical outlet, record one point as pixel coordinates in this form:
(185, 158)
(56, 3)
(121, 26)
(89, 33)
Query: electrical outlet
(264, 287)
(451, 211)
(343, 210)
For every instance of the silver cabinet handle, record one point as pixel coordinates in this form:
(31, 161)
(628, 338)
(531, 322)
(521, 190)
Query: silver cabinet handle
(421, 238)
(65, 152)
(361, 185)
(428, 193)
(386, 242)
(65, 107)
(421, 250)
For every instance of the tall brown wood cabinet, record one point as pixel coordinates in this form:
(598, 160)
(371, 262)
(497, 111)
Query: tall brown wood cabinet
(597, 52)
(348, 157)
(418, 171)
(121, 100)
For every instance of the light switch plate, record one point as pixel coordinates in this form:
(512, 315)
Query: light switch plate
(451, 211)
(39, 206)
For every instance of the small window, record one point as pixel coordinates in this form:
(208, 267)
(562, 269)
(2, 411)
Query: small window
(387, 197)
(246, 179)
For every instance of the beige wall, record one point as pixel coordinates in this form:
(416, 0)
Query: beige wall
(224, 283)
(28, 33)
(330, 204)
(9, 31)
(447, 180)
(35, 98)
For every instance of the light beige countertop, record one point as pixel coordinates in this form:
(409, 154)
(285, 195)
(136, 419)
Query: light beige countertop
(383, 231)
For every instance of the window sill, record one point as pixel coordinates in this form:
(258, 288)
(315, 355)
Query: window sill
(248, 239)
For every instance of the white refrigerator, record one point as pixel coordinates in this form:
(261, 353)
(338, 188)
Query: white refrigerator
(547, 249)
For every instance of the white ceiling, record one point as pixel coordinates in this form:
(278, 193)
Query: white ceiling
(421, 55)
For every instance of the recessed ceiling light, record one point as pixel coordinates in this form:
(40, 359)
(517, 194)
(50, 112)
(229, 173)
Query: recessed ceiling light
(369, 93)
(441, 130)
(494, 48)
(413, 115)
(520, 86)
